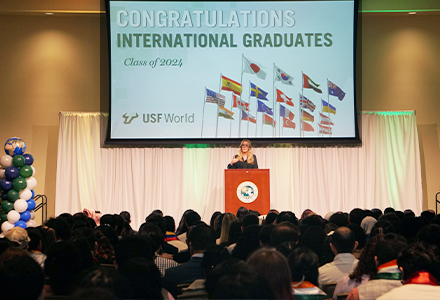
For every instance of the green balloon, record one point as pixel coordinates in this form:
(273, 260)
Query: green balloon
(26, 171)
(13, 195)
(19, 184)
(7, 206)
(18, 161)
(3, 218)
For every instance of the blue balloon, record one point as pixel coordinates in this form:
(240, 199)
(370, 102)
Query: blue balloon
(21, 224)
(12, 172)
(25, 216)
(5, 196)
(33, 194)
(28, 159)
(5, 185)
(31, 204)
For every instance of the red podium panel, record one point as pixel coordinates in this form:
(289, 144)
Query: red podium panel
(249, 188)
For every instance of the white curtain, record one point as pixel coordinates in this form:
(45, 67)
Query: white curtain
(384, 171)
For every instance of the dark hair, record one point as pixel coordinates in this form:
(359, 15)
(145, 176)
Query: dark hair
(154, 233)
(382, 227)
(284, 231)
(182, 226)
(109, 220)
(62, 229)
(339, 219)
(389, 210)
(68, 218)
(312, 220)
(409, 213)
(428, 214)
(270, 218)
(247, 243)
(237, 280)
(241, 212)
(250, 219)
(213, 256)
(88, 234)
(376, 213)
(265, 234)
(234, 232)
(192, 218)
(366, 264)
(125, 215)
(304, 265)
(429, 234)
(343, 239)
(418, 257)
(170, 224)
(360, 235)
(21, 278)
(157, 220)
(315, 239)
(109, 232)
(35, 236)
(213, 217)
(200, 237)
(354, 216)
(287, 216)
(133, 246)
(410, 226)
(86, 257)
(392, 218)
(388, 247)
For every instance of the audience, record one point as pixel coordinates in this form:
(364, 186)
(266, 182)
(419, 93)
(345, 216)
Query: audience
(133, 264)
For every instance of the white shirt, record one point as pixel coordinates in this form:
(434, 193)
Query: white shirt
(342, 265)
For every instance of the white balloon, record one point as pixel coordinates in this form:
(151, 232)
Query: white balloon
(31, 183)
(25, 194)
(32, 214)
(31, 223)
(33, 170)
(13, 216)
(20, 205)
(6, 226)
(2, 174)
(6, 161)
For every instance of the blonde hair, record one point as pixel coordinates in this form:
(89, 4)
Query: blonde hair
(226, 223)
(250, 157)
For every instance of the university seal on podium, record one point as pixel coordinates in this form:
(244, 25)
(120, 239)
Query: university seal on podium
(247, 192)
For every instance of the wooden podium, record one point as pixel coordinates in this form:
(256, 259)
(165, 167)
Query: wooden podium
(249, 188)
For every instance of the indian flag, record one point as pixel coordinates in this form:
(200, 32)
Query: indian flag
(225, 113)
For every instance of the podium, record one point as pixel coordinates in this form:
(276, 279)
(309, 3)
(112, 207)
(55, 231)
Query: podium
(249, 188)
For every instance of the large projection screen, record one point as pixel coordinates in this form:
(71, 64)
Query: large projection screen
(219, 71)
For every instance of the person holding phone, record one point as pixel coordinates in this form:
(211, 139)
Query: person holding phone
(245, 159)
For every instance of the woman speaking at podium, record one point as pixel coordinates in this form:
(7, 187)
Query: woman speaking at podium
(245, 159)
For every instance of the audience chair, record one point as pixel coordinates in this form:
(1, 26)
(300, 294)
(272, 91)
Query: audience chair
(329, 288)
(342, 296)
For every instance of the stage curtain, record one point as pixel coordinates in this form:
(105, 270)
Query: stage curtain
(384, 171)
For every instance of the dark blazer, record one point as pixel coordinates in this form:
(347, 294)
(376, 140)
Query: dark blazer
(186, 272)
(244, 164)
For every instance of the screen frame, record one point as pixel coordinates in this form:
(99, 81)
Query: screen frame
(327, 141)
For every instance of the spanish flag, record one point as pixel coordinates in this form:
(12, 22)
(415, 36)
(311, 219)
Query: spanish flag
(231, 85)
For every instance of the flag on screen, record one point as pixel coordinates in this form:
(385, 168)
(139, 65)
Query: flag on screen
(231, 85)
(264, 108)
(284, 112)
(324, 117)
(225, 113)
(307, 127)
(213, 97)
(269, 121)
(258, 92)
(253, 67)
(325, 122)
(281, 97)
(327, 107)
(335, 90)
(305, 116)
(308, 83)
(239, 104)
(306, 103)
(288, 124)
(248, 117)
(282, 76)
(325, 129)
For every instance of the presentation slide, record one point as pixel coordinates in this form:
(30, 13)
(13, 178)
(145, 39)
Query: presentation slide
(230, 70)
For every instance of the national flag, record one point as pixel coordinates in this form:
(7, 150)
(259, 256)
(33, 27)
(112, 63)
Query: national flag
(225, 113)
(305, 116)
(335, 90)
(327, 107)
(248, 117)
(253, 67)
(325, 129)
(288, 124)
(258, 92)
(239, 104)
(269, 121)
(213, 97)
(281, 97)
(325, 120)
(308, 83)
(231, 85)
(282, 76)
(307, 127)
(284, 112)
(306, 103)
(264, 108)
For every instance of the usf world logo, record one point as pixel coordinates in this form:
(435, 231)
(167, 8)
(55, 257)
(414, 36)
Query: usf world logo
(128, 118)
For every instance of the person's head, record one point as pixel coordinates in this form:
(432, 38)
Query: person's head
(343, 240)
(200, 237)
(315, 239)
(312, 220)
(250, 219)
(388, 247)
(270, 218)
(366, 264)
(287, 216)
(247, 243)
(157, 220)
(242, 212)
(245, 147)
(418, 257)
(19, 236)
(126, 216)
(182, 226)
(87, 233)
(429, 234)
(410, 226)
(361, 237)
(213, 256)
(62, 229)
(274, 267)
(389, 210)
(382, 227)
(237, 280)
(192, 218)
(213, 217)
(284, 232)
(265, 234)
(109, 232)
(377, 212)
(154, 233)
(108, 219)
(392, 218)
(304, 265)
(339, 219)
(10, 253)
(171, 225)
(354, 216)
(228, 218)
(234, 232)
(133, 246)
(21, 278)
(428, 214)
(367, 224)
(68, 218)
